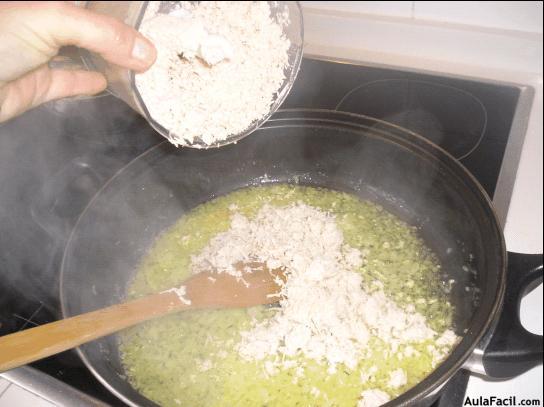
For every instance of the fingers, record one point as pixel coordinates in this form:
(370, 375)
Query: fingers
(45, 84)
(115, 41)
(61, 23)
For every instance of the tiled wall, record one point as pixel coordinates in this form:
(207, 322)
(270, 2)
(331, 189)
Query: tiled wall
(523, 16)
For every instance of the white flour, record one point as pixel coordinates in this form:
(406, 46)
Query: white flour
(325, 314)
(218, 68)
(373, 398)
(180, 292)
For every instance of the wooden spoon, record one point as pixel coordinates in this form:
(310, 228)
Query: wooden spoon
(204, 290)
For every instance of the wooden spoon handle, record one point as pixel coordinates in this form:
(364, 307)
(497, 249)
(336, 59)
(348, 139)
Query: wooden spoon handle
(45, 340)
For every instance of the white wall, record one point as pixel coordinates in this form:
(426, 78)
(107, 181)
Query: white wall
(523, 16)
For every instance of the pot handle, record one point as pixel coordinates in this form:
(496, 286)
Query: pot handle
(512, 350)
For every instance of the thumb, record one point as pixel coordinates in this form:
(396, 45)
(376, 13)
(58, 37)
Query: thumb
(45, 84)
(115, 41)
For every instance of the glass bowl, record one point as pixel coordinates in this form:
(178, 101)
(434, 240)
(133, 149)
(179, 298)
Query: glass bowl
(293, 30)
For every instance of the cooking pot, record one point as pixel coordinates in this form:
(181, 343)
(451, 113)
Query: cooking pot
(374, 160)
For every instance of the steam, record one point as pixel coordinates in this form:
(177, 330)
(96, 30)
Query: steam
(52, 161)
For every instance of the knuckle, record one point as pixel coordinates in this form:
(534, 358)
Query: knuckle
(121, 37)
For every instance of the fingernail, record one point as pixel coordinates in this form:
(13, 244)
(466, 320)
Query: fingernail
(142, 50)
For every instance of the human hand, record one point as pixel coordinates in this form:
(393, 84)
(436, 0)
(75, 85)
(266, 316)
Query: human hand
(31, 33)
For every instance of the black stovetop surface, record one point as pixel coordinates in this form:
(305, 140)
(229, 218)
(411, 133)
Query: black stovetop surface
(55, 158)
